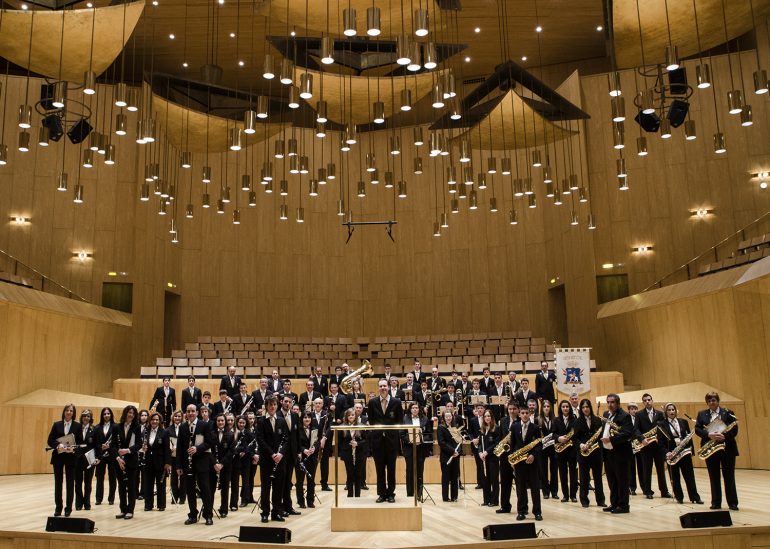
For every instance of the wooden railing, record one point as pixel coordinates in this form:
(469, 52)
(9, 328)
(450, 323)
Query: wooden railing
(24, 275)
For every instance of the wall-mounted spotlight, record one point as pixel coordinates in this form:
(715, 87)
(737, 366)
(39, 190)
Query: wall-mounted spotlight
(82, 255)
(700, 213)
(642, 249)
(19, 220)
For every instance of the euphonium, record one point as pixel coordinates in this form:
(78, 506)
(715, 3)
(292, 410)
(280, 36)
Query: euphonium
(712, 446)
(346, 385)
(523, 453)
(503, 446)
(561, 446)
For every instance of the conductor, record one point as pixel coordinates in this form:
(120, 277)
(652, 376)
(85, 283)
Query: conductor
(385, 409)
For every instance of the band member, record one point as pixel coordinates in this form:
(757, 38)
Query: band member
(259, 396)
(103, 439)
(451, 448)
(205, 402)
(144, 418)
(506, 471)
(164, 400)
(251, 426)
(417, 374)
(544, 381)
(320, 381)
(337, 378)
(490, 436)
(352, 447)
(395, 390)
(204, 415)
(286, 391)
(564, 430)
(322, 420)
(636, 470)
(574, 402)
(524, 393)
(272, 441)
(721, 461)
(336, 402)
(548, 466)
(191, 395)
(465, 384)
(126, 442)
(84, 472)
(63, 457)
(672, 431)
(388, 375)
(527, 471)
(385, 410)
(157, 463)
(648, 419)
(307, 459)
(290, 459)
(224, 404)
(222, 451)
(450, 397)
(193, 460)
(414, 446)
(436, 382)
(589, 466)
(306, 399)
(178, 491)
(487, 381)
(241, 402)
(231, 382)
(355, 394)
(617, 454)
(275, 383)
(513, 384)
(244, 451)
(474, 431)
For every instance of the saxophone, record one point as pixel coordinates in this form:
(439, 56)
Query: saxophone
(503, 446)
(523, 453)
(561, 446)
(650, 437)
(712, 446)
(346, 385)
(682, 449)
(592, 443)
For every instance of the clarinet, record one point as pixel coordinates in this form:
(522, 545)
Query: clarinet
(124, 470)
(145, 445)
(275, 465)
(216, 462)
(190, 444)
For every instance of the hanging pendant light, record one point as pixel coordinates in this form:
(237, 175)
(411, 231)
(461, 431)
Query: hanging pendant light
(703, 75)
(388, 180)
(188, 211)
(420, 22)
(436, 229)
(252, 199)
(89, 83)
(226, 195)
(303, 165)
(415, 51)
(536, 159)
(79, 194)
(618, 105)
(620, 164)
(665, 128)
(473, 200)
(505, 167)
(378, 110)
(672, 58)
(121, 124)
(401, 189)
(294, 165)
(340, 207)
(331, 171)
(591, 221)
(403, 50)
(279, 149)
(88, 158)
(547, 177)
(518, 187)
(206, 174)
(313, 187)
(462, 192)
(148, 130)
(61, 185)
(293, 98)
(370, 162)
(689, 130)
(465, 151)
(234, 140)
(557, 199)
(491, 165)
(417, 165)
(406, 100)
(622, 183)
(132, 102)
(647, 101)
(349, 22)
(300, 215)
(747, 118)
(24, 141)
(350, 134)
(121, 94)
(454, 110)
(25, 116)
(374, 177)
(245, 182)
(249, 122)
(361, 189)
(283, 187)
(454, 205)
(573, 218)
(438, 95)
(482, 181)
(321, 112)
(549, 190)
(306, 85)
(220, 206)
(59, 95)
(444, 220)
(735, 101)
(268, 67)
(419, 140)
(614, 84)
(327, 50)
(322, 176)
(641, 145)
(618, 135)
(395, 145)
(109, 155)
(532, 202)
(42, 136)
(144, 193)
(760, 82)
(287, 72)
(513, 217)
(451, 175)
(185, 159)
(467, 174)
(206, 201)
(373, 21)
(430, 58)
(283, 212)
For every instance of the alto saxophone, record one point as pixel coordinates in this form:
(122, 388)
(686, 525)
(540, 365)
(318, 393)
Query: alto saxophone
(503, 446)
(523, 453)
(712, 446)
(561, 446)
(649, 437)
(592, 444)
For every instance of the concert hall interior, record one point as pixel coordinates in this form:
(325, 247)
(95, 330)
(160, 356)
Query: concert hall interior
(368, 273)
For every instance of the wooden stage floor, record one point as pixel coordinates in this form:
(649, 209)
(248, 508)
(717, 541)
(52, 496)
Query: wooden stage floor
(28, 499)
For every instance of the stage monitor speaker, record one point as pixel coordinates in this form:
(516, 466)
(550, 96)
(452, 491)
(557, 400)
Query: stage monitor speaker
(54, 124)
(69, 524)
(648, 122)
(524, 530)
(264, 534)
(79, 131)
(706, 519)
(677, 81)
(677, 112)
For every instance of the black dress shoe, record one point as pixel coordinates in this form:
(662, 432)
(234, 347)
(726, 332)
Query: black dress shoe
(608, 509)
(325, 488)
(601, 504)
(573, 500)
(57, 513)
(584, 504)
(733, 507)
(277, 518)
(78, 507)
(140, 497)
(311, 505)
(380, 499)
(503, 510)
(285, 514)
(633, 492)
(564, 500)
(301, 505)
(190, 521)
(120, 516)
(161, 509)
(715, 507)
(129, 516)
(478, 487)
(264, 518)
(538, 517)
(233, 507)
(648, 496)
(244, 504)
(620, 510)
(112, 502)
(223, 515)
(392, 499)
(292, 512)
(364, 487)
(679, 500)
(666, 495)
(546, 496)
(209, 522)
(698, 502)
(520, 516)
(98, 502)
(67, 512)
(87, 507)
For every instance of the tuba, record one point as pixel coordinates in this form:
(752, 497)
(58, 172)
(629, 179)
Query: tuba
(346, 385)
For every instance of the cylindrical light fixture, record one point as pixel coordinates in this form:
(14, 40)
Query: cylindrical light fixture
(492, 165)
(665, 128)
(268, 67)
(760, 82)
(401, 189)
(482, 181)
(132, 103)
(249, 122)
(518, 187)
(287, 72)
(283, 187)
(415, 56)
(88, 158)
(467, 174)
(61, 184)
(185, 159)
(206, 174)
(419, 140)
(234, 139)
(327, 50)
(188, 211)
(388, 180)
(252, 198)
(395, 144)
(547, 177)
(89, 83)
(374, 177)
(436, 229)
(300, 215)
(109, 155)
(220, 206)
(614, 84)
(25, 116)
(226, 195)
(531, 202)
(689, 130)
(451, 175)
(420, 22)
(293, 98)
(536, 159)
(454, 206)
(430, 59)
(121, 124)
(283, 212)
(417, 165)
(361, 189)
(322, 176)
(591, 221)
(313, 187)
(121, 94)
(402, 50)
(582, 196)
(505, 167)
(473, 200)
(42, 136)
(735, 101)
(294, 165)
(331, 171)
(79, 194)
(349, 22)
(306, 85)
(406, 99)
(438, 95)
(245, 182)
(465, 151)
(618, 105)
(620, 164)
(373, 21)
(304, 165)
(672, 57)
(747, 118)
(206, 201)
(370, 162)
(647, 101)
(641, 145)
(267, 171)
(573, 218)
(618, 135)
(703, 75)
(622, 183)
(321, 109)
(340, 207)
(444, 220)
(378, 112)
(513, 217)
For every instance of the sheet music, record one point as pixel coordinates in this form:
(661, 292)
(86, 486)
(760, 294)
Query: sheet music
(313, 437)
(198, 440)
(91, 457)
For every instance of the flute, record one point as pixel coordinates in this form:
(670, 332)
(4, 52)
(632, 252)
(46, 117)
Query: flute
(483, 460)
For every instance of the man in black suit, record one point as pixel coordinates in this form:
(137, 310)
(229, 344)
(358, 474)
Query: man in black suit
(336, 403)
(648, 419)
(409, 386)
(394, 389)
(241, 400)
(223, 405)
(527, 471)
(723, 461)
(544, 381)
(193, 459)
(306, 399)
(259, 396)
(385, 410)
(164, 400)
(506, 471)
(449, 396)
(191, 395)
(487, 381)
(474, 431)
(388, 373)
(322, 420)
(64, 457)
(465, 384)
(272, 442)
(337, 377)
(524, 394)
(275, 384)
(512, 384)
(231, 382)
(617, 454)
(417, 373)
(320, 381)
(293, 426)
(436, 382)
(286, 391)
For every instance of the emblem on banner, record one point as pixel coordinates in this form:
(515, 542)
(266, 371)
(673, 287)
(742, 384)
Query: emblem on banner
(573, 367)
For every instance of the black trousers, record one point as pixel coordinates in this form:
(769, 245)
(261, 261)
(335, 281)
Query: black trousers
(355, 474)
(252, 473)
(272, 488)
(652, 455)
(288, 469)
(591, 467)
(635, 469)
(64, 471)
(491, 481)
(684, 469)
(102, 468)
(722, 465)
(385, 465)
(178, 488)
(201, 480)
(311, 464)
(246, 480)
(567, 463)
(325, 455)
(83, 480)
(235, 481)
(154, 482)
(527, 478)
(506, 482)
(127, 489)
(549, 481)
(616, 466)
(408, 448)
(223, 486)
(479, 470)
(450, 478)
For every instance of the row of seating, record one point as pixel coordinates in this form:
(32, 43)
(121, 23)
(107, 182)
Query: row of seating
(752, 244)
(15, 279)
(445, 347)
(505, 354)
(741, 259)
(475, 337)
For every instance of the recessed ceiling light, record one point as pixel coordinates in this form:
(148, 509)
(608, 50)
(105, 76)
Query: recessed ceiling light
(599, 28)
(171, 36)
(185, 65)
(232, 35)
(538, 29)
(477, 30)
(523, 57)
(467, 59)
(240, 63)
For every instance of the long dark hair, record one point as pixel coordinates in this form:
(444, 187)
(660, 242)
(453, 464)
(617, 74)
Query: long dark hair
(590, 407)
(67, 407)
(569, 408)
(101, 416)
(541, 418)
(124, 415)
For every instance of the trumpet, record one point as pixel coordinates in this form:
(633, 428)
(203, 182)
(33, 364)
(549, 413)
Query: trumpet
(346, 385)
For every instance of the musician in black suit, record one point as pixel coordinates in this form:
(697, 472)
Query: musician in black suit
(648, 419)
(157, 462)
(636, 469)
(84, 472)
(241, 402)
(450, 451)
(566, 460)
(306, 399)
(222, 452)
(524, 393)
(527, 471)
(618, 454)
(385, 410)
(474, 432)
(394, 389)
(450, 396)
(436, 382)
(672, 432)
(388, 375)
(103, 439)
(589, 466)
(489, 438)
(487, 381)
(178, 492)
(513, 383)
(223, 405)
(193, 459)
(720, 463)
(464, 384)
(191, 395)
(337, 377)
(322, 419)
(414, 446)
(275, 383)
(286, 391)
(307, 457)
(417, 373)
(336, 402)
(259, 395)
(506, 471)
(126, 442)
(320, 381)
(231, 382)
(272, 442)
(63, 458)
(544, 381)
(549, 469)
(292, 421)
(164, 400)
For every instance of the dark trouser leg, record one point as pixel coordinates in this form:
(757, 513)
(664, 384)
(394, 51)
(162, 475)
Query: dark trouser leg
(266, 482)
(299, 484)
(486, 484)
(252, 471)
(192, 499)
(235, 475)
(160, 487)
(359, 475)
(479, 470)
(350, 476)
(391, 454)
(445, 480)
(506, 483)
(585, 468)
(207, 494)
(101, 469)
(522, 498)
(648, 454)
(685, 467)
(148, 477)
(58, 480)
(123, 491)
(327, 451)
(676, 481)
(493, 469)
(408, 448)
(311, 465)
(610, 467)
(131, 494)
(533, 482)
(420, 470)
(728, 471)
(379, 466)
(621, 477)
(224, 489)
(178, 490)
(596, 474)
(288, 469)
(88, 476)
(660, 468)
(278, 500)
(247, 486)
(713, 464)
(454, 478)
(79, 484)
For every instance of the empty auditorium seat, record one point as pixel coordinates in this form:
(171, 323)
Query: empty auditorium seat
(148, 372)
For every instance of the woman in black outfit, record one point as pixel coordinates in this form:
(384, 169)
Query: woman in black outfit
(585, 427)
(449, 449)
(490, 436)
(157, 463)
(178, 489)
(105, 463)
(245, 449)
(356, 394)
(84, 473)
(415, 417)
(144, 417)
(352, 450)
(126, 442)
(548, 467)
(677, 429)
(567, 458)
(63, 457)
(308, 457)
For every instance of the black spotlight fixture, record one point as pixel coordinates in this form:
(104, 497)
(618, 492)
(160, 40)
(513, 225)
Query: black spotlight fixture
(648, 122)
(677, 112)
(55, 127)
(46, 96)
(677, 81)
(79, 131)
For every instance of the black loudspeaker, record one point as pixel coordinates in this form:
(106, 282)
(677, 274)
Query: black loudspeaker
(522, 530)
(46, 96)
(648, 122)
(79, 131)
(68, 524)
(677, 81)
(706, 519)
(677, 112)
(54, 124)
(264, 534)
